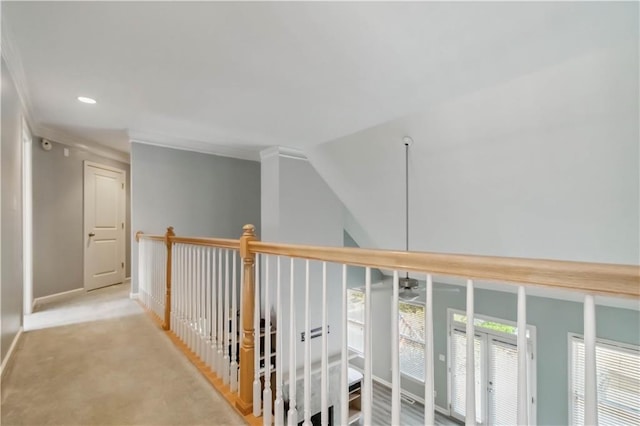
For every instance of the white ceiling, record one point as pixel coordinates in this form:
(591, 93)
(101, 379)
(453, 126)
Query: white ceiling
(235, 77)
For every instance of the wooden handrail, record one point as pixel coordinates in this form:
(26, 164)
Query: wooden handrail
(209, 242)
(141, 235)
(596, 278)
(198, 241)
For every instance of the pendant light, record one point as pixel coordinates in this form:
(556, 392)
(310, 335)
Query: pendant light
(407, 285)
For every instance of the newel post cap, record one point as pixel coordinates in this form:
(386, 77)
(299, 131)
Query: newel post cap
(248, 234)
(249, 230)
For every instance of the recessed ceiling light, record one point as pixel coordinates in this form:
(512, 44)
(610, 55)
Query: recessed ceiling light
(86, 100)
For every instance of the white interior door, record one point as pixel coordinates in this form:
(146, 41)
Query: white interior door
(104, 216)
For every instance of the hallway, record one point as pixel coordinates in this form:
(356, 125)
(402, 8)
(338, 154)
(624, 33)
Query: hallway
(98, 359)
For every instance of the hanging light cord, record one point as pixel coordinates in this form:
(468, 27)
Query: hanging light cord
(406, 176)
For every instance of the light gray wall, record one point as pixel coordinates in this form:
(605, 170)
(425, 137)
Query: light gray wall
(302, 209)
(198, 194)
(356, 275)
(58, 217)
(11, 169)
(553, 319)
(545, 165)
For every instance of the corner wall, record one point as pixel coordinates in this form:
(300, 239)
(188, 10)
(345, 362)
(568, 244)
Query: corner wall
(11, 254)
(198, 194)
(58, 230)
(301, 209)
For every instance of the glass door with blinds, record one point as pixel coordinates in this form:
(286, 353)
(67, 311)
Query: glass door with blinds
(496, 369)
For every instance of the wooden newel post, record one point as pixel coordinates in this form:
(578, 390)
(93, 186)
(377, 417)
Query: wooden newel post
(167, 302)
(245, 402)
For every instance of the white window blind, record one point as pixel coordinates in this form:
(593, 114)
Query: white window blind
(411, 325)
(355, 326)
(618, 381)
(459, 374)
(503, 383)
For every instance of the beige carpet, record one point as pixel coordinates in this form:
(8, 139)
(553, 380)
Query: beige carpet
(108, 365)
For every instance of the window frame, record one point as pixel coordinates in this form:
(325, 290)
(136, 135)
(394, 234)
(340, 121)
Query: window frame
(423, 344)
(353, 350)
(492, 333)
(620, 346)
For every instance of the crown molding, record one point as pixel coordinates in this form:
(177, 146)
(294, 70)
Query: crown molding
(165, 141)
(65, 138)
(12, 59)
(282, 151)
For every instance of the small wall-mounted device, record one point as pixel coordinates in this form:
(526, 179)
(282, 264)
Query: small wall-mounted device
(315, 332)
(46, 145)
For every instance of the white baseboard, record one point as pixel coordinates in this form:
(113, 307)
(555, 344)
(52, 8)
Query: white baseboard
(439, 409)
(6, 359)
(57, 296)
(133, 296)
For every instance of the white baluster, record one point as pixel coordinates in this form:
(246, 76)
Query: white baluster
(590, 383)
(293, 411)
(203, 304)
(279, 403)
(225, 349)
(178, 289)
(523, 398)
(266, 399)
(241, 301)
(197, 300)
(192, 299)
(307, 350)
(324, 413)
(344, 364)
(429, 409)
(395, 354)
(470, 417)
(367, 385)
(212, 309)
(141, 265)
(233, 372)
(257, 408)
(220, 356)
(214, 314)
(206, 350)
(189, 334)
(174, 275)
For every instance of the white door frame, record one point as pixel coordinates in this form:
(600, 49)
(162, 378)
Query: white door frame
(27, 218)
(123, 197)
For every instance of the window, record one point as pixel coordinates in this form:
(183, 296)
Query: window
(496, 369)
(355, 317)
(411, 325)
(618, 381)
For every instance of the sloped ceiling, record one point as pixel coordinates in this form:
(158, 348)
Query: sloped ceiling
(545, 165)
(235, 77)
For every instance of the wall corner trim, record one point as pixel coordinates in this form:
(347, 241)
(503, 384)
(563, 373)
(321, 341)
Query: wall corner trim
(57, 296)
(282, 151)
(9, 355)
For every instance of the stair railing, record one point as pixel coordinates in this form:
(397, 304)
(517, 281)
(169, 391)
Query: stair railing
(201, 297)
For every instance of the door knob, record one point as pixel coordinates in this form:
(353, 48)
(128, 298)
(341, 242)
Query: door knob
(91, 234)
